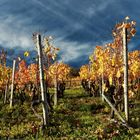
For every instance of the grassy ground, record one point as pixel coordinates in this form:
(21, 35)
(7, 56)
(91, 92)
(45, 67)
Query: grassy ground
(77, 116)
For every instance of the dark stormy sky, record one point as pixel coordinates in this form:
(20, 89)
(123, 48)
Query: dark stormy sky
(77, 26)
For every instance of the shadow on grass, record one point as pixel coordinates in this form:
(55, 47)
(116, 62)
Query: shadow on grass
(70, 96)
(93, 108)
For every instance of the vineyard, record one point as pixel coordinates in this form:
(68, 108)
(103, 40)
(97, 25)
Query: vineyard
(47, 99)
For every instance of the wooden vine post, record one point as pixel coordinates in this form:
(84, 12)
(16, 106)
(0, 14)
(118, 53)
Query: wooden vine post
(56, 84)
(12, 85)
(55, 87)
(125, 55)
(102, 82)
(43, 92)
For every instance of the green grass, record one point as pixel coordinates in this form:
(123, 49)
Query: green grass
(77, 116)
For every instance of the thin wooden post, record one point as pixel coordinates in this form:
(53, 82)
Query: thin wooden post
(102, 79)
(43, 93)
(102, 86)
(12, 85)
(89, 82)
(55, 92)
(125, 52)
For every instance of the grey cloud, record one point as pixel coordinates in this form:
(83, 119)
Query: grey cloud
(78, 24)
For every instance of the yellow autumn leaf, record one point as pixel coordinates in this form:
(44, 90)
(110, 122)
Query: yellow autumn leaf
(104, 86)
(110, 80)
(106, 89)
(113, 62)
(118, 75)
(47, 49)
(26, 54)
